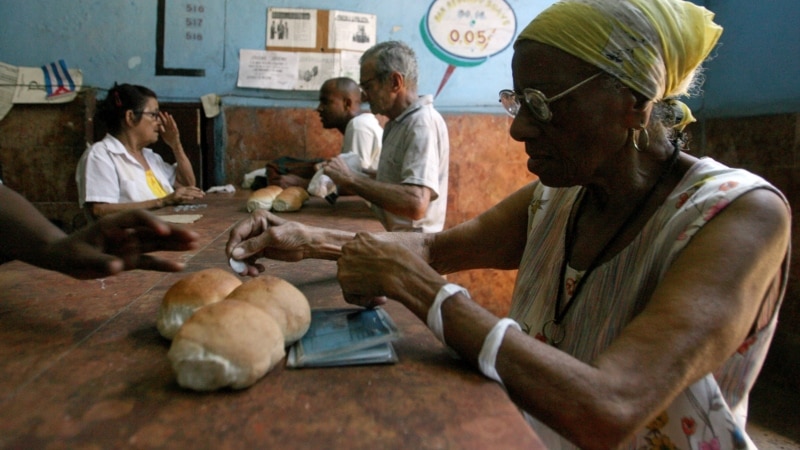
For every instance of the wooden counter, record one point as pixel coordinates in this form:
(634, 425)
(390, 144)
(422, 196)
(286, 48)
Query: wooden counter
(83, 366)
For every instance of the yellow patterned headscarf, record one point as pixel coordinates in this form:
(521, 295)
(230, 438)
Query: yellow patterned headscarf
(652, 46)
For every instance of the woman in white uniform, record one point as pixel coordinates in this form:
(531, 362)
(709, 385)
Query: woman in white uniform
(119, 172)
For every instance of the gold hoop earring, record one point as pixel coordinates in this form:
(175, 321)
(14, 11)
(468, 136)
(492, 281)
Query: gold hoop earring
(646, 141)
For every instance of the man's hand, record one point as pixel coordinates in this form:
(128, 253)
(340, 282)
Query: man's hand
(120, 242)
(339, 172)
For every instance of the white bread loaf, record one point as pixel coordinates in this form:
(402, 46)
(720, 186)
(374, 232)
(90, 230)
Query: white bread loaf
(190, 293)
(263, 198)
(290, 199)
(229, 343)
(281, 300)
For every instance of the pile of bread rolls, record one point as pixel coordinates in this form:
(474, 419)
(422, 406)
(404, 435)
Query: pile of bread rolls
(191, 293)
(277, 199)
(230, 339)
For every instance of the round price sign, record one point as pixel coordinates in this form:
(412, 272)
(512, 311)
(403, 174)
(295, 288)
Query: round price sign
(467, 32)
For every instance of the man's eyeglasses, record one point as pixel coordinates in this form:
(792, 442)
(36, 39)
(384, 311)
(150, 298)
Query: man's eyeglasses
(155, 115)
(536, 100)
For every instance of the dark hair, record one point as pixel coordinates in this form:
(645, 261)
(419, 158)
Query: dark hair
(121, 98)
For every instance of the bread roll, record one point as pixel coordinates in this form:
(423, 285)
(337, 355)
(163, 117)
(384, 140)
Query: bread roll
(263, 198)
(290, 199)
(191, 293)
(229, 343)
(281, 300)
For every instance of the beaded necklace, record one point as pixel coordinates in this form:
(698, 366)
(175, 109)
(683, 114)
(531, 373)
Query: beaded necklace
(552, 332)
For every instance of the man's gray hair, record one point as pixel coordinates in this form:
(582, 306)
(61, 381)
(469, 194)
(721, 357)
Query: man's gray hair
(393, 56)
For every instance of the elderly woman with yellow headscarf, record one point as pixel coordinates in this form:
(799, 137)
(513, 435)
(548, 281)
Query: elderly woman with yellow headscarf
(649, 280)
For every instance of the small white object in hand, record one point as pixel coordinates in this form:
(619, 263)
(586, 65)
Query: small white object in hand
(237, 266)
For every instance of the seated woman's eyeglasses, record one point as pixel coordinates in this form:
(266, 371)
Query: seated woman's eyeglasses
(536, 100)
(155, 115)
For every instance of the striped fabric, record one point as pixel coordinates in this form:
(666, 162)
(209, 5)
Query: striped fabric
(57, 80)
(618, 290)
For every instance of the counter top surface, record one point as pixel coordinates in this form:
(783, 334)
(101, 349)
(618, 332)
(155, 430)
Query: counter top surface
(83, 366)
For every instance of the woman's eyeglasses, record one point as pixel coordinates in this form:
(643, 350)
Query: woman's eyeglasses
(155, 115)
(537, 102)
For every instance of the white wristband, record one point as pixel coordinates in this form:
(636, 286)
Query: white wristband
(435, 311)
(491, 345)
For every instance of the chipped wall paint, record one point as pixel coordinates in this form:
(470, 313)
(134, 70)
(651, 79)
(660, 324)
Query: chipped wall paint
(134, 62)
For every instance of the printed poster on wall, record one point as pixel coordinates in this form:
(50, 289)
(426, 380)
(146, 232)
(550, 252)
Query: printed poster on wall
(325, 44)
(351, 31)
(313, 69)
(349, 65)
(261, 69)
(268, 69)
(292, 27)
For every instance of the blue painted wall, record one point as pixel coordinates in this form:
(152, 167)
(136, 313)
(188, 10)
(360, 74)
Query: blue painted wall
(756, 70)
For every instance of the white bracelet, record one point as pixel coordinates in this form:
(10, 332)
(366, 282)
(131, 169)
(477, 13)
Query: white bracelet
(435, 312)
(491, 345)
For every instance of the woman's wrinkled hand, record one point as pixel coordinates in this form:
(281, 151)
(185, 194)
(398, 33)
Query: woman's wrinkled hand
(265, 235)
(375, 266)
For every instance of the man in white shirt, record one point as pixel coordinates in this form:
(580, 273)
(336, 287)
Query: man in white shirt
(340, 108)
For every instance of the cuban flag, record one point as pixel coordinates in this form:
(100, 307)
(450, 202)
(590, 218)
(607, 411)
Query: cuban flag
(57, 80)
